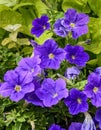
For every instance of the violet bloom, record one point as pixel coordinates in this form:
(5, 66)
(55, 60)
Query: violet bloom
(96, 124)
(1, 83)
(59, 28)
(75, 126)
(55, 127)
(40, 25)
(32, 97)
(30, 65)
(76, 101)
(76, 55)
(51, 92)
(51, 56)
(93, 89)
(76, 23)
(98, 117)
(88, 123)
(16, 85)
(33, 43)
(72, 72)
(98, 70)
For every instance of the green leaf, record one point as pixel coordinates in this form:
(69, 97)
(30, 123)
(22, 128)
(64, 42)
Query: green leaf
(9, 2)
(95, 6)
(12, 28)
(46, 35)
(93, 62)
(23, 41)
(99, 59)
(80, 5)
(80, 85)
(27, 50)
(40, 7)
(2, 32)
(3, 7)
(11, 45)
(10, 18)
(95, 36)
(17, 126)
(6, 41)
(22, 5)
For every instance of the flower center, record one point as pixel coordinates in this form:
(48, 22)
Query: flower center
(17, 88)
(51, 56)
(55, 95)
(73, 57)
(32, 70)
(95, 89)
(79, 101)
(44, 27)
(72, 25)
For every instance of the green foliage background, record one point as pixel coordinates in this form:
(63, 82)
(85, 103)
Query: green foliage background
(15, 24)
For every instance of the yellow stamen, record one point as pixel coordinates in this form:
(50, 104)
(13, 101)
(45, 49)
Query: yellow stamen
(95, 89)
(51, 56)
(73, 57)
(72, 25)
(32, 70)
(17, 88)
(44, 27)
(79, 101)
(55, 95)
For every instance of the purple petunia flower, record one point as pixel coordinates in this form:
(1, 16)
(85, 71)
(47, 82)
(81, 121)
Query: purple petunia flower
(55, 127)
(76, 55)
(93, 89)
(51, 56)
(33, 43)
(1, 83)
(59, 28)
(30, 65)
(75, 126)
(98, 70)
(40, 25)
(51, 92)
(76, 101)
(96, 124)
(72, 72)
(98, 117)
(76, 23)
(32, 97)
(88, 123)
(73, 22)
(16, 85)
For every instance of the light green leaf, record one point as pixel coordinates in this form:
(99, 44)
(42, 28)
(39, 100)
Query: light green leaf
(46, 35)
(95, 36)
(27, 50)
(80, 5)
(99, 59)
(6, 41)
(95, 6)
(9, 2)
(10, 18)
(80, 85)
(23, 41)
(40, 7)
(93, 62)
(11, 45)
(12, 28)
(3, 7)
(17, 126)
(13, 36)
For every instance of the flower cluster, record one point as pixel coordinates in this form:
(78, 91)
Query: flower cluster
(73, 22)
(31, 82)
